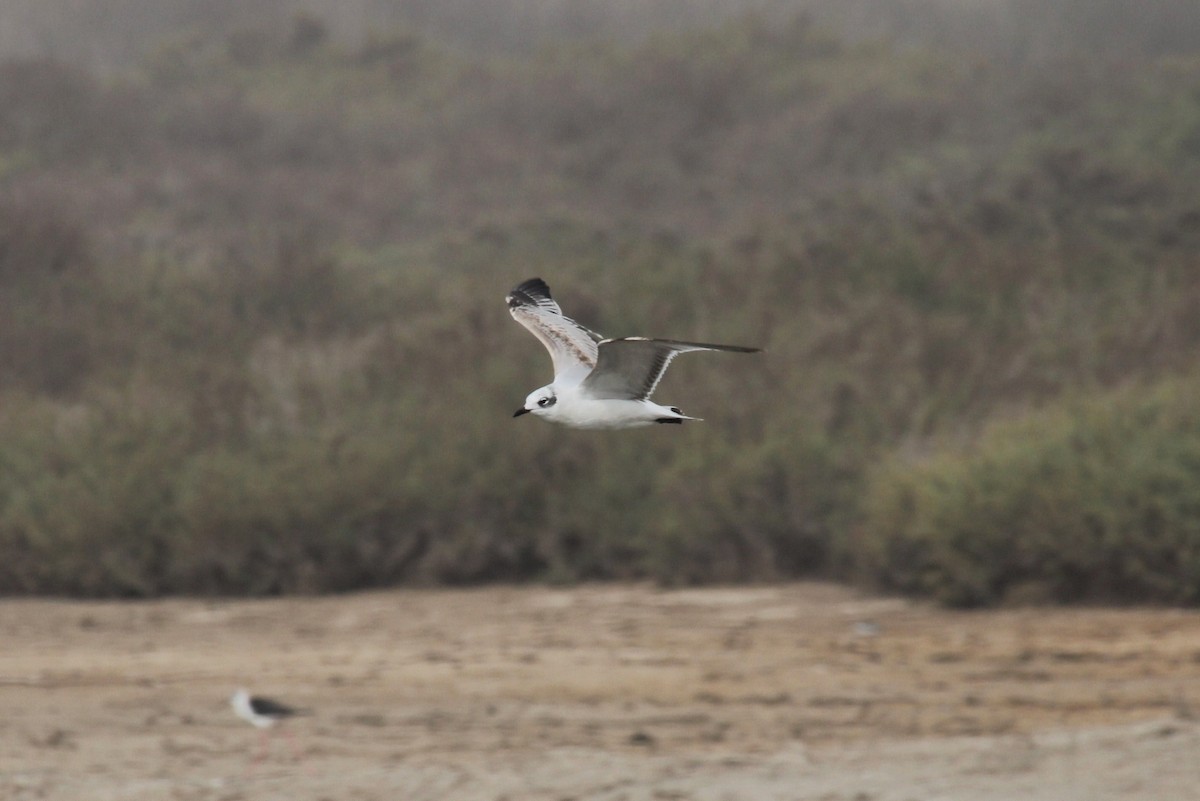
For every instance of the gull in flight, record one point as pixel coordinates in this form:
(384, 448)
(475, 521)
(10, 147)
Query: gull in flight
(597, 384)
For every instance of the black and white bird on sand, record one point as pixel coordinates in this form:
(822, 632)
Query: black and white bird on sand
(265, 714)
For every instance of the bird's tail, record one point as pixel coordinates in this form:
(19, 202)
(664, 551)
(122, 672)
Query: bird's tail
(678, 417)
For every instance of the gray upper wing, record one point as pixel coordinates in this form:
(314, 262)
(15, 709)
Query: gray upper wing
(630, 368)
(570, 344)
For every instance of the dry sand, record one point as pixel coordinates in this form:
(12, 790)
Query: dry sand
(803, 691)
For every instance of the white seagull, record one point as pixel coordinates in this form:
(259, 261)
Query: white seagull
(597, 384)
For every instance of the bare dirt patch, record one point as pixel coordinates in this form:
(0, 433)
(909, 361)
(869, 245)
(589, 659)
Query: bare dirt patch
(804, 691)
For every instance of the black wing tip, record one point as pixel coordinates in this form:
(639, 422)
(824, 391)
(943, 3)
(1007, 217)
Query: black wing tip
(528, 293)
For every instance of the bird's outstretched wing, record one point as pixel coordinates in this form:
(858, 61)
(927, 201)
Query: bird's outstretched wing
(630, 368)
(570, 344)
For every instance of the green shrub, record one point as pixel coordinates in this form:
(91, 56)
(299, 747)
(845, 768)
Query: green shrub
(1092, 500)
(86, 498)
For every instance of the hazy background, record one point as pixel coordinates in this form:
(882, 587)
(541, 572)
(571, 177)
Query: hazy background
(253, 258)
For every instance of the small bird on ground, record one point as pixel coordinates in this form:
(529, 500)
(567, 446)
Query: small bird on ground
(265, 714)
(598, 383)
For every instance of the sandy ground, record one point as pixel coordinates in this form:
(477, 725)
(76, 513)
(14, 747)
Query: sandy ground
(803, 691)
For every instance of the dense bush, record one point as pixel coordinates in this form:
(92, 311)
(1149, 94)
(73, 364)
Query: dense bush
(1088, 500)
(253, 335)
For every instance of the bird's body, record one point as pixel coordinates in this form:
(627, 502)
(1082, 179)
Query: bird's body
(576, 409)
(598, 383)
(261, 712)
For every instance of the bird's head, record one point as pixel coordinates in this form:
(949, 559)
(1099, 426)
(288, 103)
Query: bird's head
(539, 402)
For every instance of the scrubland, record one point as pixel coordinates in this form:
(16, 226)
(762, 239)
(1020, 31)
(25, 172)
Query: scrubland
(253, 337)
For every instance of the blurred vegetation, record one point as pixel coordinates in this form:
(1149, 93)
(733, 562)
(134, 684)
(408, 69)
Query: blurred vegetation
(253, 335)
(1095, 499)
